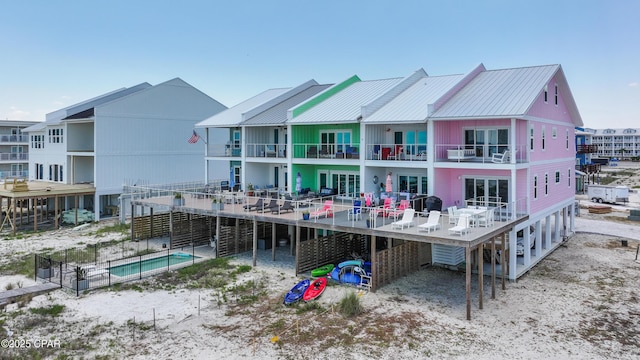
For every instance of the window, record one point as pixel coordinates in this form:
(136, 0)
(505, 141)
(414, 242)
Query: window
(546, 94)
(569, 177)
(412, 184)
(335, 141)
(531, 138)
(37, 141)
(487, 142)
(535, 186)
(567, 139)
(554, 132)
(557, 177)
(346, 183)
(546, 184)
(556, 94)
(489, 191)
(236, 139)
(55, 136)
(543, 138)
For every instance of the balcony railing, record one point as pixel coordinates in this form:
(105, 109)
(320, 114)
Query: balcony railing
(491, 154)
(223, 150)
(14, 174)
(266, 150)
(326, 151)
(587, 149)
(14, 157)
(14, 138)
(400, 152)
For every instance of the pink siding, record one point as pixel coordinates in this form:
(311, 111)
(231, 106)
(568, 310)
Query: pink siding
(558, 192)
(550, 110)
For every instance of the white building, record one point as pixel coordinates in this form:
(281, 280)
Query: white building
(131, 135)
(616, 143)
(14, 148)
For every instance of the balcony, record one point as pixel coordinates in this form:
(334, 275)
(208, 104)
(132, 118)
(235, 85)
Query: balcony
(14, 138)
(14, 157)
(589, 168)
(587, 149)
(490, 154)
(326, 151)
(397, 152)
(224, 150)
(266, 151)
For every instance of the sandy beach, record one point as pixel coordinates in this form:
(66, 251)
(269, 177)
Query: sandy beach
(581, 302)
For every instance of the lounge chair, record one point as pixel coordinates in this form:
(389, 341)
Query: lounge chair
(257, 205)
(273, 204)
(462, 227)
(286, 207)
(326, 210)
(433, 222)
(407, 220)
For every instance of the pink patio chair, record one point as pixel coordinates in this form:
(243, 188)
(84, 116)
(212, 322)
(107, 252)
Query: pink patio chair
(326, 210)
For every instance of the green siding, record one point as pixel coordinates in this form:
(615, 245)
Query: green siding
(310, 134)
(324, 96)
(309, 173)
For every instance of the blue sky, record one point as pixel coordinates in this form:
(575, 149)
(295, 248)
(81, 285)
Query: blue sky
(58, 53)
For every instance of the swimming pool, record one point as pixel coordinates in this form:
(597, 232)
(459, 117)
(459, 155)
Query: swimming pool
(151, 264)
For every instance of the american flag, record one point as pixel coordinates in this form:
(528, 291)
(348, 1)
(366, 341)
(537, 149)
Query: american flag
(194, 138)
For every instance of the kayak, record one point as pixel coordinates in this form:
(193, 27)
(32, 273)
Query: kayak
(315, 289)
(322, 270)
(351, 262)
(296, 292)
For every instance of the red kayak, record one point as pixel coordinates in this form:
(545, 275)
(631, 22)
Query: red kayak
(315, 289)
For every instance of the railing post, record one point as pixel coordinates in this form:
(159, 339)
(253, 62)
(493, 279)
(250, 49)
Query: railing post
(60, 274)
(168, 263)
(140, 266)
(35, 267)
(109, 267)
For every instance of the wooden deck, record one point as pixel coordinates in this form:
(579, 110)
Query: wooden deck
(10, 296)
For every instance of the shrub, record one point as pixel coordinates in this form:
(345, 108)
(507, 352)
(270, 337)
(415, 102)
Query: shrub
(350, 305)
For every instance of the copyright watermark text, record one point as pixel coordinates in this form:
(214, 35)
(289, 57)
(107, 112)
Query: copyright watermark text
(22, 343)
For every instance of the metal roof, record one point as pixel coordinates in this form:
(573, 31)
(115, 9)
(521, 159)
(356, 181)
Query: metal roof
(498, 93)
(277, 114)
(233, 116)
(346, 105)
(412, 104)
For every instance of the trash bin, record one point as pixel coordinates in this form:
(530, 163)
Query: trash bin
(433, 203)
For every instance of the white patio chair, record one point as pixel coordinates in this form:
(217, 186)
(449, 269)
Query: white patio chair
(433, 222)
(462, 227)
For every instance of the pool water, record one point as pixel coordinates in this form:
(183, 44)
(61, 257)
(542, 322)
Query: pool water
(150, 264)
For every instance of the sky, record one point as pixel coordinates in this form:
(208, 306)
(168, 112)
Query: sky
(59, 53)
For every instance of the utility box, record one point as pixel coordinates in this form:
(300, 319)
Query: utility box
(608, 193)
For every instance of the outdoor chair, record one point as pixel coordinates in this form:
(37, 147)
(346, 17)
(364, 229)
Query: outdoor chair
(326, 210)
(407, 220)
(453, 214)
(356, 211)
(433, 222)
(462, 226)
(273, 204)
(501, 158)
(258, 205)
(286, 207)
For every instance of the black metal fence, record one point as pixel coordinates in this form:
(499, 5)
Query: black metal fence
(82, 271)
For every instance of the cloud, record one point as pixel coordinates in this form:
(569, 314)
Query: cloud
(633, 84)
(17, 114)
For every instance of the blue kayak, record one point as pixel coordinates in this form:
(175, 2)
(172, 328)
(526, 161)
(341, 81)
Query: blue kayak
(296, 292)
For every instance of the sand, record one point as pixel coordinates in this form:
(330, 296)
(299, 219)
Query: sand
(581, 302)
